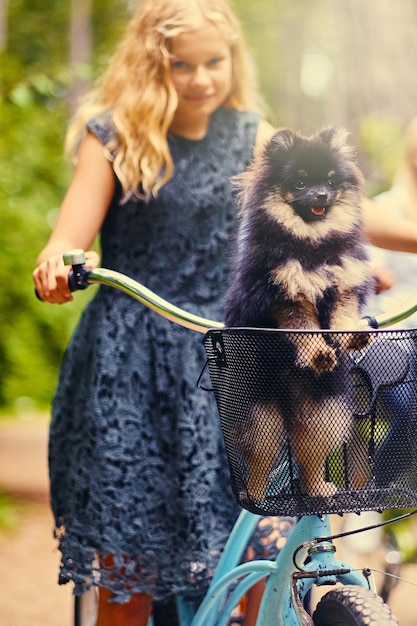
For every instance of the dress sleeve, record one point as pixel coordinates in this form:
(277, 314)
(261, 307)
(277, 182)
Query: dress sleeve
(103, 128)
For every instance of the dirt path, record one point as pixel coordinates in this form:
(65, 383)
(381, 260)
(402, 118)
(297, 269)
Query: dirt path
(29, 593)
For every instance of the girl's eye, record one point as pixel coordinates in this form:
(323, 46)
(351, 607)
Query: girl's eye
(299, 184)
(214, 61)
(178, 65)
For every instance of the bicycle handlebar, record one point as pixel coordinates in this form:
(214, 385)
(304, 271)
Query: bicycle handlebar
(81, 278)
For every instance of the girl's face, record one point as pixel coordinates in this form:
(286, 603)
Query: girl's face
(201, 72)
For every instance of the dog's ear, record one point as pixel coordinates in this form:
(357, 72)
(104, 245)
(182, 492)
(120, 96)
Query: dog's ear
(283, 139)
(279, 148)
(331, 134)
(337, 140)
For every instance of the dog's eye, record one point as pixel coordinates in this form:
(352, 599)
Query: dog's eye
(331, 183)
(299, 184)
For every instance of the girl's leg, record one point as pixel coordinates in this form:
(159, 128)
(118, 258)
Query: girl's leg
(253, 603)
(268, 539)
(136, 612)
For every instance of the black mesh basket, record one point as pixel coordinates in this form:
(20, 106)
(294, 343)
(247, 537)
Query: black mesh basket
(317, 422)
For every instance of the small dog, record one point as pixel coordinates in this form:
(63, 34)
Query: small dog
(301, 263)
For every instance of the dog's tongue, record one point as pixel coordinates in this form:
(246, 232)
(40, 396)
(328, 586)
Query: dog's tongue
(318, 210)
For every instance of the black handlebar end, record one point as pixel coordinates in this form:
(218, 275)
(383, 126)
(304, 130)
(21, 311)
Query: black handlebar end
(372, 323)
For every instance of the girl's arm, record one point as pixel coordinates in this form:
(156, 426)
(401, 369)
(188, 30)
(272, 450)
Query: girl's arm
(80, 218)
(265, 132)
(388, 231)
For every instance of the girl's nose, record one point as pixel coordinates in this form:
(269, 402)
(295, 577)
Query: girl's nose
(200, 76)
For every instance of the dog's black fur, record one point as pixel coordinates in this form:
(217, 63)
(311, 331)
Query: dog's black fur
(301, 263)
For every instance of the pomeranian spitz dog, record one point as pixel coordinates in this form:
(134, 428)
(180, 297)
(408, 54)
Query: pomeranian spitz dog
(301, 263)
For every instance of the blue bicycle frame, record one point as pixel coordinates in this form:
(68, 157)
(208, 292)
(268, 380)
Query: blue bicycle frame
(282, 603)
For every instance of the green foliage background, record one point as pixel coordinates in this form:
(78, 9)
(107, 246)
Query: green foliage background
(34, 81)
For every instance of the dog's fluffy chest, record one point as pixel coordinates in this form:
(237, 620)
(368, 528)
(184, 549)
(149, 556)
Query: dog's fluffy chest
(299, 282)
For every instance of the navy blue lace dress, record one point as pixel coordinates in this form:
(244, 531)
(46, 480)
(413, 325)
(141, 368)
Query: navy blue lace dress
(137, 464)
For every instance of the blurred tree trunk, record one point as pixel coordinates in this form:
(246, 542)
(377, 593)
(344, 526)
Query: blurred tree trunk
(337, 61)
(3, 24)
(80, 49)
(375, 59)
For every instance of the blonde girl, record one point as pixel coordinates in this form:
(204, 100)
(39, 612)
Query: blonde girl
(139, 478)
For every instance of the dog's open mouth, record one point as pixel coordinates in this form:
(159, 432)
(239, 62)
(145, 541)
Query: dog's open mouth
(310, 213)
(318, 211)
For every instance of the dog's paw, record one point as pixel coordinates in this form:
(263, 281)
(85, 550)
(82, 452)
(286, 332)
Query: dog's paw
(317, 355)
(357, 341)
(324, 360)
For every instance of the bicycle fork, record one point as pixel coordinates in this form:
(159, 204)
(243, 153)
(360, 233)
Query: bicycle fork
(288, 586)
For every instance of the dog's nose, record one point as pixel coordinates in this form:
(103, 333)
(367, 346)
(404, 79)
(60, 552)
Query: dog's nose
(322, 197)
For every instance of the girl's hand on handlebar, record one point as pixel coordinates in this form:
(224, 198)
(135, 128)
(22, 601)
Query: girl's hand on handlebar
(51, 278)
(384, 279)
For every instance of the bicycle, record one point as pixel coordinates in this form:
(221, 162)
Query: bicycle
(383, 394)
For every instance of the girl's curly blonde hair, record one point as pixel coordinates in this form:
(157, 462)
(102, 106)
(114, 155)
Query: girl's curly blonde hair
(136, 88)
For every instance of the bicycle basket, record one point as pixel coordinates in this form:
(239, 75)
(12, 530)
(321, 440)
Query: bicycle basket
(317, 422)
